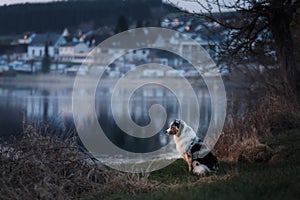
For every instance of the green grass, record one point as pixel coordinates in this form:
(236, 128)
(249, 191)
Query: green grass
(279, 179)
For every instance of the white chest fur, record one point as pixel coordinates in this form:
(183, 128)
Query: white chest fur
(183, 141)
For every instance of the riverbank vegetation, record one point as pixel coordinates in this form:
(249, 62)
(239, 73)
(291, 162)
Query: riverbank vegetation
(40, 166)
(276, 179)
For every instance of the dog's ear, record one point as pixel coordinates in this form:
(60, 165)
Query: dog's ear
(176, 123)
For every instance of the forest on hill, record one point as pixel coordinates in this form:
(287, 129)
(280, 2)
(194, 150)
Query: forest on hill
(42, 17)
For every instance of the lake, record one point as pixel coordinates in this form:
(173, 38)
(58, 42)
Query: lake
(48, 105)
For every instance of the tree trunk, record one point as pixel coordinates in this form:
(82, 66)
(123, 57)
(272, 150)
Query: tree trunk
(280, 28)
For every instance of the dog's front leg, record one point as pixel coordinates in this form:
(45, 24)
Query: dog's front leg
(188, 160)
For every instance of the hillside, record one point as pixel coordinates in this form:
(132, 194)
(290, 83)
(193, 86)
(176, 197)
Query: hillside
(16, 19)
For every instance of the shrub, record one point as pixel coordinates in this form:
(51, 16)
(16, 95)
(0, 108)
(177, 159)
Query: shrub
(239, 140)
(49, 167)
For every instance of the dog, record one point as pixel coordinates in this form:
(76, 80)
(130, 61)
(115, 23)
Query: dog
(192, 148)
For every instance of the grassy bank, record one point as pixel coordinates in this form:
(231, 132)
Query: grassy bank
(277, 179)
(43, 167)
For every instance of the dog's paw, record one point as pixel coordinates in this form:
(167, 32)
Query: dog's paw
(199, 169)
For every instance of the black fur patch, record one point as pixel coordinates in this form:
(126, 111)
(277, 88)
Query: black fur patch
(209, 160)
(195, 147)
(176, 123)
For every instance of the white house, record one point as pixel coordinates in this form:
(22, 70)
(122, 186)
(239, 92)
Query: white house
(36, 49)
(193, 52)
(73, 52)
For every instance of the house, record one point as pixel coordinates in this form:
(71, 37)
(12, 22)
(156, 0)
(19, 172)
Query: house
(193, 51)
(36, 49)
(135, 48)
(26, 38)
(73, 52)
(14, 51)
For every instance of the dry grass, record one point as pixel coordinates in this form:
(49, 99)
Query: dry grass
(239, 140)
(283, 112)
(44, 167)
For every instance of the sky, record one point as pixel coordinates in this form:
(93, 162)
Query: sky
(194, 6)
(8, 2)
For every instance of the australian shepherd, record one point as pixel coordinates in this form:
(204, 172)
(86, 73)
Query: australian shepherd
(192, 149)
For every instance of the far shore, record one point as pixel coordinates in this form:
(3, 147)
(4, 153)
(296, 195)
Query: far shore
(40, 80)
(65, 81)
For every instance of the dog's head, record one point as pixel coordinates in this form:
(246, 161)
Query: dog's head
(174, 128)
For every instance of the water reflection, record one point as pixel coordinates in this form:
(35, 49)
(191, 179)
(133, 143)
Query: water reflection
(41, 107)
(53, 107)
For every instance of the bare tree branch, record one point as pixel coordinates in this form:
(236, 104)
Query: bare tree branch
(260, 27)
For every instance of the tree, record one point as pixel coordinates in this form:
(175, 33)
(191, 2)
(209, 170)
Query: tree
(122, 24)
(264, 27)
(46, 62)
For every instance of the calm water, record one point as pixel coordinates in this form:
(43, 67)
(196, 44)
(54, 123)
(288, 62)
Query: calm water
(51, 108)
